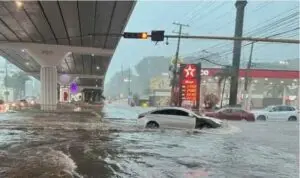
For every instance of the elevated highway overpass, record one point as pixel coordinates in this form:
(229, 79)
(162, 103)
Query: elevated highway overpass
(50, 38)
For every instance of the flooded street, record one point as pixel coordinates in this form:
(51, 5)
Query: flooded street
(68, 145)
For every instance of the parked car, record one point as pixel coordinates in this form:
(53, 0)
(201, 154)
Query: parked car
(277, 112)
(18, 105)
(176, 117)
(232, 114)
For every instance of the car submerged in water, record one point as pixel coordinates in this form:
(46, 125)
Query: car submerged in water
(176, 117)
(235, 114)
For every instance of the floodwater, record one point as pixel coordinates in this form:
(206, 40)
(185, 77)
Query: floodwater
(68, 145)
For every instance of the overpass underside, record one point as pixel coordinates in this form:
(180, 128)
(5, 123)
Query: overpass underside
(55, 41)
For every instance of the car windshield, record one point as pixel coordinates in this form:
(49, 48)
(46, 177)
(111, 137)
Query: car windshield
(269, 108)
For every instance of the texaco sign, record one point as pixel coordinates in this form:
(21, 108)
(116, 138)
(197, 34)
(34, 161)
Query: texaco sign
(204, 72)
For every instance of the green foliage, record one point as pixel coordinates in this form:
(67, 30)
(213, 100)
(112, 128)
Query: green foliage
(210, 100)
(16, 81)
(225, 73)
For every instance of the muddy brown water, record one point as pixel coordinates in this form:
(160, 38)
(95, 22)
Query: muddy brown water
(78, 145)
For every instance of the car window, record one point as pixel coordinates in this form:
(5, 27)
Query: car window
(276, 108)
(227, 110)
(286, 108)
(282, 108)
(237, 110)
(171, 112)
(291, 108)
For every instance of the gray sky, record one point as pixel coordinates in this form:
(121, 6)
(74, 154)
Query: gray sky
(207, 18)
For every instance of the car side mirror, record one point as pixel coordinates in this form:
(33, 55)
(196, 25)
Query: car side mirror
(191, 115)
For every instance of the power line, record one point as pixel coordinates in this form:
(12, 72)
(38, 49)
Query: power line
(275, 24)
(196, 15)
(230, 51)
(232, 21)
(264, 26)
(211, 11)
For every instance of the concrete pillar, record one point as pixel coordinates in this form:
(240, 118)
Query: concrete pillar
(48, 77)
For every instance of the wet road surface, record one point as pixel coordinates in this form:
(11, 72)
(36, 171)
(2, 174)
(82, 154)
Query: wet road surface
(62, 145)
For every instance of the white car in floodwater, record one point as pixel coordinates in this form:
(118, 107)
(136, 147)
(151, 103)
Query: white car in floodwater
(277, 112)
(176, 117)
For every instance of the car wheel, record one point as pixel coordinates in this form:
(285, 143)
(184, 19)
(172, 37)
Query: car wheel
(152, 125)
(292, 118)
(261, 118)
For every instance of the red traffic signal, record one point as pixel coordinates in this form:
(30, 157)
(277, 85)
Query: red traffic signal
(142, 35)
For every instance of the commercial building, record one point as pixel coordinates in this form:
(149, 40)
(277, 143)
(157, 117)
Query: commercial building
(266, 86)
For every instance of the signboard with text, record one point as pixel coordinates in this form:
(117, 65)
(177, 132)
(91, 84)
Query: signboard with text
(190, 85)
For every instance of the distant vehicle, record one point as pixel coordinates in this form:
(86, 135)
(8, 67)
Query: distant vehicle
(279, 112)
(2, 106)
(176, 117)
(232, 114)
(19, 105)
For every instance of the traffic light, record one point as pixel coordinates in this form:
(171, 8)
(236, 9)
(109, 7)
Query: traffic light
(157, 35)
(142, 35)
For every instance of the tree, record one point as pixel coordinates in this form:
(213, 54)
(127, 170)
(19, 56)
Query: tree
(148, 68)
(223, 75)
(210, 101)
(17, 82)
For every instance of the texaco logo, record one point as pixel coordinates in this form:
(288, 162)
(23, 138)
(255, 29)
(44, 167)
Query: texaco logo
(204, 72)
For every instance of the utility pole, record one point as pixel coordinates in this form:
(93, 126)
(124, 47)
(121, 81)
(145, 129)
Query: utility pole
(247, 78)
(174, 83)
(122, 82)
(6, 92)
(129, 82)
(239, 23)
(247, 86)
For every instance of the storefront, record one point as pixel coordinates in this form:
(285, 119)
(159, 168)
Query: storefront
(266, 86)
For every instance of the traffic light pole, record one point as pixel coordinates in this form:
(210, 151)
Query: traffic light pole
(200, 37)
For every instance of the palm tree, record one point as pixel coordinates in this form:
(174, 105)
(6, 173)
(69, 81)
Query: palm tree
(223, 75)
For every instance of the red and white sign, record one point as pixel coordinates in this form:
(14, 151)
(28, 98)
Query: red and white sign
(64, 94)
(190, 71)
(189, 84)
(204, 72)
(256, 73)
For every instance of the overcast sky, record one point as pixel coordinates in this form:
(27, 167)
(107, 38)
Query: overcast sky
(207, 18)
